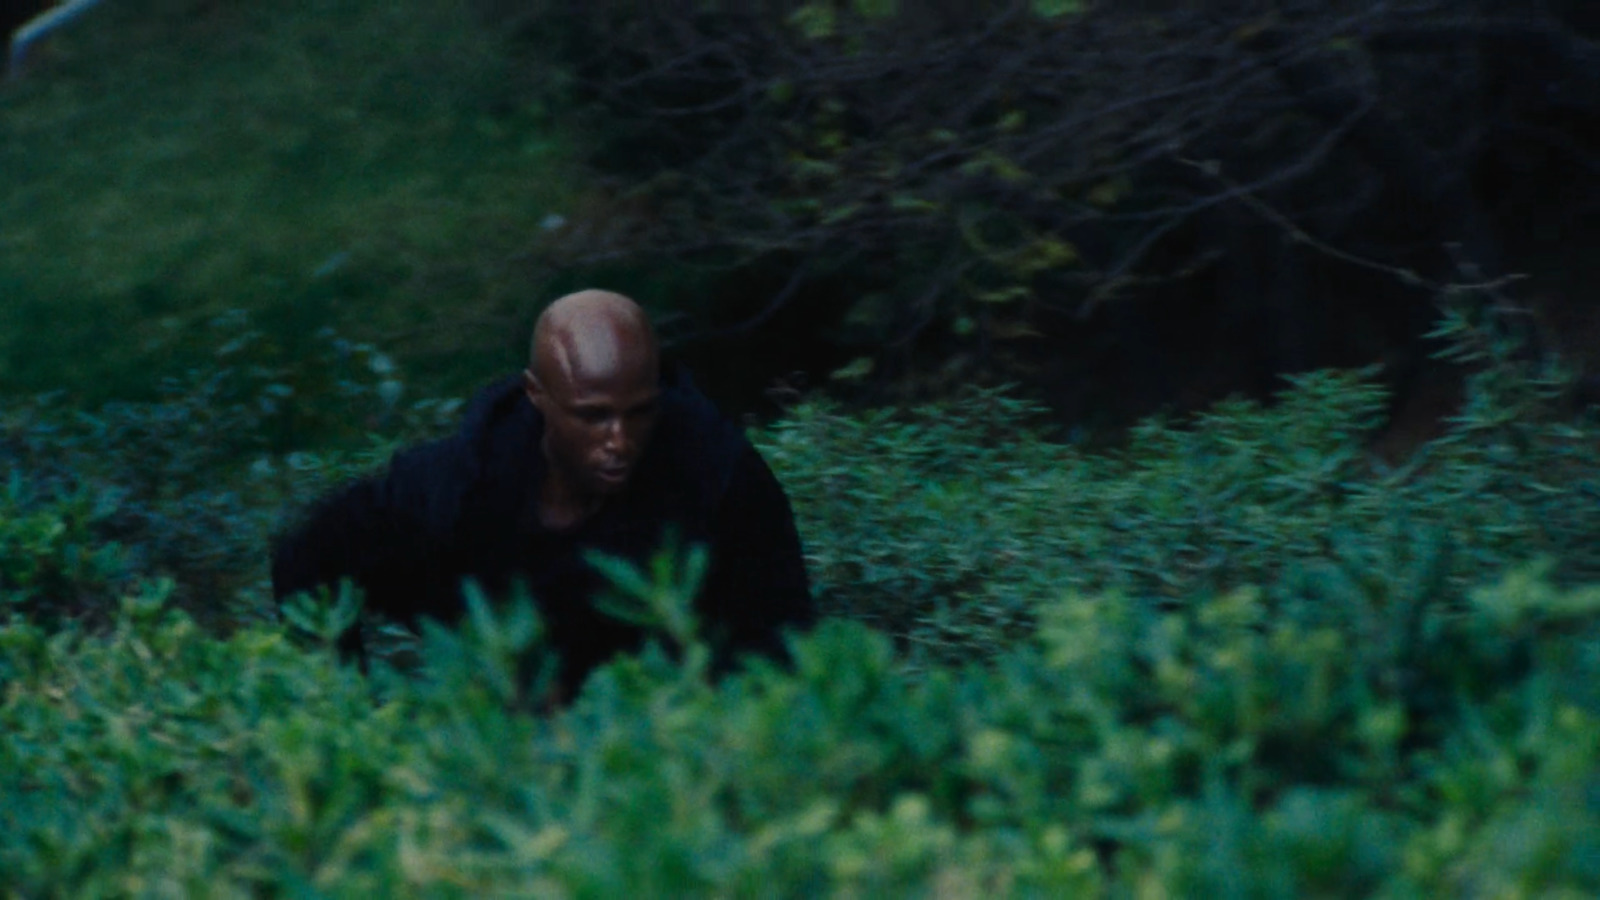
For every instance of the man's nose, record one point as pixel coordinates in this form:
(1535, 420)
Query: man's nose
(616, 436)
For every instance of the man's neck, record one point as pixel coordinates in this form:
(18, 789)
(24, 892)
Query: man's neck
(562, 507)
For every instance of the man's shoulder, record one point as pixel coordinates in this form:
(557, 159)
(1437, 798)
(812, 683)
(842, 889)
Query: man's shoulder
(695, 448)
(693, 429)
(491, 421)
(494, 405)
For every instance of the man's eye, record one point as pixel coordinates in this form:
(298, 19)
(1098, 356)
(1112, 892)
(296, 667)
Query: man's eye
(592, 416)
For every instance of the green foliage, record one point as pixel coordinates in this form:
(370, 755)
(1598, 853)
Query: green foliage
(190, 484)
(1119, 748)
(327, 614)
(1236, 657)
(946, 524)
(664, 601)
(51, 563)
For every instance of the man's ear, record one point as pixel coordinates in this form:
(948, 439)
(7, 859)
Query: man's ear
(532, 387)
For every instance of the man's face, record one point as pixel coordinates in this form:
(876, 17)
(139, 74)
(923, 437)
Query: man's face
(596, 427)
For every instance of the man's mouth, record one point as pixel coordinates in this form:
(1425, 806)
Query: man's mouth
(614, 474)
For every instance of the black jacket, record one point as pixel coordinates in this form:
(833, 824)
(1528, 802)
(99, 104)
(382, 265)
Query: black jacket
(467, 506)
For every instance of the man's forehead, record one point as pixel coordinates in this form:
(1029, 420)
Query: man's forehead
(603, 375)
(600, 351)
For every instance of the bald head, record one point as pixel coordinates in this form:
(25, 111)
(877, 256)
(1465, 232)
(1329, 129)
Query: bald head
(594, 376)
(592, 337)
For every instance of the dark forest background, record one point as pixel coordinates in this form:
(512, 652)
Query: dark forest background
(1126, 207)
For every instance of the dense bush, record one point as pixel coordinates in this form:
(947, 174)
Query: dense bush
(946, 524)
(191, 483)
(1236, 657)
(1220, 749)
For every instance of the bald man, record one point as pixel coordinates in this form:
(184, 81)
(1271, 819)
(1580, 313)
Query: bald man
(595, 446)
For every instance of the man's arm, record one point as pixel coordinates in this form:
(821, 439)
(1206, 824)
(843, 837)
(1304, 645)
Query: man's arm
(757, 587)
(388, 534)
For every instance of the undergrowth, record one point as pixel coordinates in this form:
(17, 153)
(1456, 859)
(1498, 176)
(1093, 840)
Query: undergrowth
(946, 524)
(1223, 749)
(1238, 657)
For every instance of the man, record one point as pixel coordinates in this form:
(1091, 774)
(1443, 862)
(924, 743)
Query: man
(592, 447)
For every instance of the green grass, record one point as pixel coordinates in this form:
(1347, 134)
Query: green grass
(356, 163)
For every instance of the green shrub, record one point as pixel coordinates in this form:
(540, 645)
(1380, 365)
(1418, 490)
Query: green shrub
(1235, 658)
(50, 560)
(1119, 748)
(946, 524)
(190, 484)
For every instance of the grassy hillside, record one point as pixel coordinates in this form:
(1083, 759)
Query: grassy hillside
(315, 162)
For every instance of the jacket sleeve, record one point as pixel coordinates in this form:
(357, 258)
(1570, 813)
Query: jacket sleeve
(757, 586)
(389, 534)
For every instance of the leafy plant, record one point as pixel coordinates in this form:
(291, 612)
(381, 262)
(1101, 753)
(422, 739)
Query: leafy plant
(191, 484)
(1119, 747)
(1239, 656)
(946, 524)
(50, 562)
